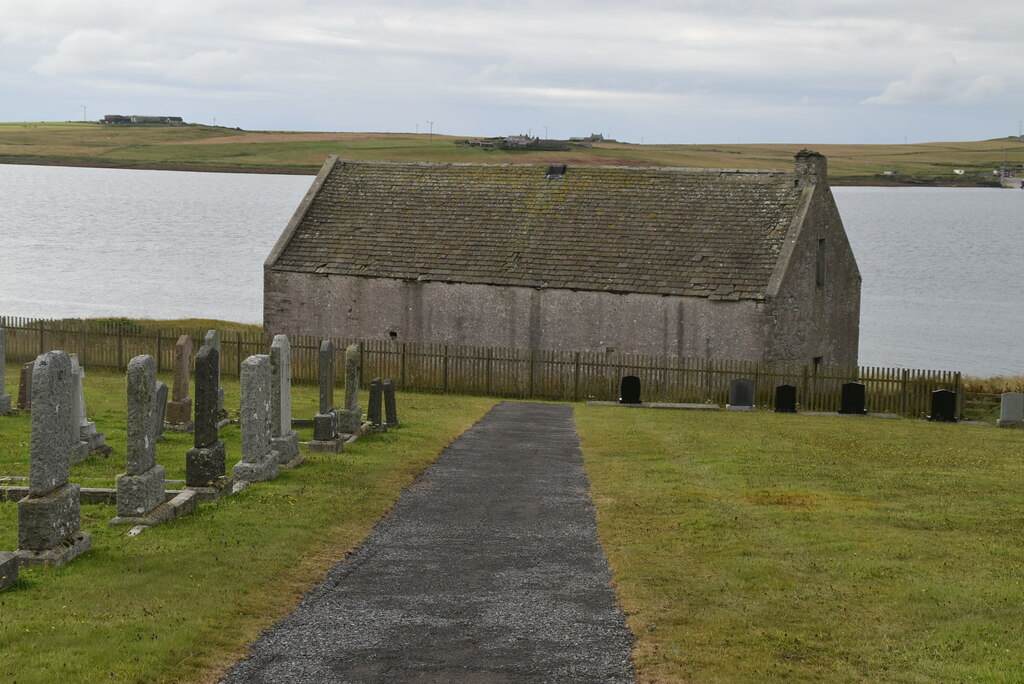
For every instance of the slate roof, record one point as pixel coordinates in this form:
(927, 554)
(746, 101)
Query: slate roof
(690, 232)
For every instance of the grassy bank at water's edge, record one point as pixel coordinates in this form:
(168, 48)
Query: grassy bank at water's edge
(199, 147)
(751, 547)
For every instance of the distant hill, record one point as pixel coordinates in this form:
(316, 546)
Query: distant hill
(211, 148)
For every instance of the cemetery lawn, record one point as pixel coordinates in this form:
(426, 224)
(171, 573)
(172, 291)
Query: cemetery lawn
(181, 601)
(759, 547)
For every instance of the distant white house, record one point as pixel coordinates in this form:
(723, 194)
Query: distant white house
(958, 172)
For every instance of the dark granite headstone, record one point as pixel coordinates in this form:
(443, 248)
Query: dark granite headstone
(374, 408)
(390, 409)
(943, 406)
(852, 399)
(785, 399)
(205, 463)
(629, 390)
(161, 410)
(741, 394)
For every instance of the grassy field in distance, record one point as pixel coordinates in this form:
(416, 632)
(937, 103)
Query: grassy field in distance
(200, 147)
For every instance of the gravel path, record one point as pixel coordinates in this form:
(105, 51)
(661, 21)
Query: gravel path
(486, 570)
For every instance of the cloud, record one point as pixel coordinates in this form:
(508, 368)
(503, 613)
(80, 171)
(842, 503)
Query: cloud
(939, 80)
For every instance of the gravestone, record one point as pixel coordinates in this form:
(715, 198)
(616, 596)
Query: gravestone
(943, 406)
(49, 518)
(8, 569)
(161, 410)
(25, 387)
(179, 410)
(78, 450)
(205, 463)
(741, 394)
(785, 399)
(325, 423)
(390, 409)
(283, 439)
(5, 399)
(259, 462)
(95, 442)
(350, 418)
(140, 488)
(374, 408)
(629, 390)
(852, 399)
(1011, 410)
(212, 339)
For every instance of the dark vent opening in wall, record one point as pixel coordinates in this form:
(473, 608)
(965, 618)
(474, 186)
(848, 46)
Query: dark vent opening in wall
(555, 171)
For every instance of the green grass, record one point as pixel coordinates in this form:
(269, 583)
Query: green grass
(179, 602)
(210, 147)
(759, 547)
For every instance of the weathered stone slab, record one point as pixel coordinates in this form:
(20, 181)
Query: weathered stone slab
(326, 376)
(25, 387)
(72, 547)
(160, 411)
(206, 417)
(46, 520)
(140, 488)
(177, 505)
(5, 399)
(1011, 410)
(258, 462)
(179, 410)
(375, 406)
(212, 339)
(283, 439)
(51, 423)
(390, 407)
(325, 426)
(206, 466)
(8, 569)
(350, 418)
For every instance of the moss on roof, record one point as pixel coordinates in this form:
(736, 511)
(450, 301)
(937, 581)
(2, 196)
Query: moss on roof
(691, 232)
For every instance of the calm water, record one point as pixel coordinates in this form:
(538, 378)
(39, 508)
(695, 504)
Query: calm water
(941, 267)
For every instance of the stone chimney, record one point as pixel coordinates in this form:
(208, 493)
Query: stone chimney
(811, 167)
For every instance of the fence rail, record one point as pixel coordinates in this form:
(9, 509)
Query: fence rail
(514, 373)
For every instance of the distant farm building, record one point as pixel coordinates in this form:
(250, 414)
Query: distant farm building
(140, 119)
(680, 262)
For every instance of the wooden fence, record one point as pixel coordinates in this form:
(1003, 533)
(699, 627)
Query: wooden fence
(515, 373)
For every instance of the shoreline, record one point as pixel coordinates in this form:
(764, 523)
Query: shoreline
(310, 171)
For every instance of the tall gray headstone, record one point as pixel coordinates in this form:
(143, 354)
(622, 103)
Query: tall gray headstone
(205, 464)
(284, 440)
(375, 405)
(212, 339)
(78, 450)
(90, 441)
(259, 462)
(49, 518)
(25, 386)
(741, 394)
(1011, 410)
(325, 423)
(351, 417)
(5, 399)
(390, 407)
(179, 410)
(140, 488)
(161, 409)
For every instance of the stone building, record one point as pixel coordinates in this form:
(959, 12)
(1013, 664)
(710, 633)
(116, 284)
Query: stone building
(682, 262)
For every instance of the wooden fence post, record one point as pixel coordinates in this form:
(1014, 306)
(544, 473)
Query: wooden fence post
(402, 367)
(42, 337)
(445, 364)
(120, 347)
(904, 392)
(85, 344)
(576, 378)
(238, 354)
(159, 349)
(533, 359)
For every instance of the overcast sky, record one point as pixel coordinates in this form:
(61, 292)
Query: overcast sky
(800, 71)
